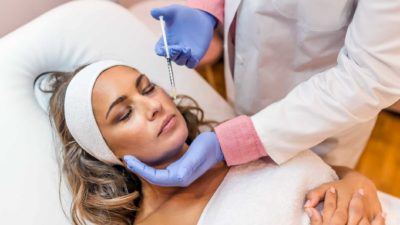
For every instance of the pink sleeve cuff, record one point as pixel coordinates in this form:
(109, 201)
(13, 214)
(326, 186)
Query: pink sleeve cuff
(214, 7)
(239, 141)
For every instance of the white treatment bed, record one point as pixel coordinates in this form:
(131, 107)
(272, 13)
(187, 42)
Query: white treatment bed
(73, 34)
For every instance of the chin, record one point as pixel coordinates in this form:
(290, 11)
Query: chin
(174, 149)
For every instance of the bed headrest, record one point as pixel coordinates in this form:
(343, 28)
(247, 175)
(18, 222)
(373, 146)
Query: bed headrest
(62, 39)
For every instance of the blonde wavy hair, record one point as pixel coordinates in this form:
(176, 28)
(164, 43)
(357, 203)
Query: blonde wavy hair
(103, 194)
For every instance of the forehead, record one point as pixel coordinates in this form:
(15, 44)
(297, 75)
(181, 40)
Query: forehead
(116, 74)
(112, 83)
(113, 79)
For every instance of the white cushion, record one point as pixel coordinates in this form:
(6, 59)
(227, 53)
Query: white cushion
(73, 34)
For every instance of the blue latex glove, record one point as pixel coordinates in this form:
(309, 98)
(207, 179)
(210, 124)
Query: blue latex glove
(189, 32)
(203, 153)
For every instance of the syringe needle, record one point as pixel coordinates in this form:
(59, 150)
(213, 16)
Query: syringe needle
(170, 71)
(171, 78)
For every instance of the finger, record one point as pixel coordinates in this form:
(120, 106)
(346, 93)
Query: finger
(175, 51)
(160, 49)
(356, 208)
(375, 205)
(315, 217)
(364, 221)
(195, 162)
(166, 12)
(185, 167)
(154, 176)
(379, 219)
(183, 57)
(329, 204)
(191, 161)
(342, 206)
(183, 174)
(339, 217)
(192, 62)
(316, 195)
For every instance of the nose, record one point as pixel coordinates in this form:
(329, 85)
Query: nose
(153, 108)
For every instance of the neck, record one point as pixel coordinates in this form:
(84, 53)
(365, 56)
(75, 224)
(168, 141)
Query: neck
(155, 196)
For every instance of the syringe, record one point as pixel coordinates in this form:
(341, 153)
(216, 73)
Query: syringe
(170, 71)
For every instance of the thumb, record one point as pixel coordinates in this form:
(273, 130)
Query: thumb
(160, 48)
(166, 12)
(133, 164)
(136, 166)
(315, 217)
(316, 195)
(174, 50)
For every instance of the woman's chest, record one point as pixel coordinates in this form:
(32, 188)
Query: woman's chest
(177, 213)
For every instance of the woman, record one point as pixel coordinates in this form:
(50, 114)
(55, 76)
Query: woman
(107, 111)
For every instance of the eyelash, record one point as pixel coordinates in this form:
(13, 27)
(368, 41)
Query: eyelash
(146, 91)
(149, 89)
(127, 115)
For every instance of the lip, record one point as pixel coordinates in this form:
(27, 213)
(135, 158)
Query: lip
(167, 124)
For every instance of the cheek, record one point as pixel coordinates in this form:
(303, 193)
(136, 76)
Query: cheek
(180, 134)
(128, 138)
(138, 140)
(165, 148)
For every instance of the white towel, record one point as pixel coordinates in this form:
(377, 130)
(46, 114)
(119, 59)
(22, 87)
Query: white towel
(391, 206)
(262, 193)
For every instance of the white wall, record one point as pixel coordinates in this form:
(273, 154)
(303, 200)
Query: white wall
(14, 13)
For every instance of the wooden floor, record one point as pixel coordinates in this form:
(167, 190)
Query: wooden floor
(381, 158)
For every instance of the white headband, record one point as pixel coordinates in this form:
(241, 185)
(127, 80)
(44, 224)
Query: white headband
(79, 114)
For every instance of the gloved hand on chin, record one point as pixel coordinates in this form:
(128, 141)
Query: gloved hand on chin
(203, 153)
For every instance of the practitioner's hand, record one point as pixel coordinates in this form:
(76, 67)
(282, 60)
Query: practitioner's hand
(203, 153)
(356, 210)
(189, 33)
(351, 182)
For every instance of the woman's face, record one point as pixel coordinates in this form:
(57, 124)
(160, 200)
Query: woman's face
(136, 117)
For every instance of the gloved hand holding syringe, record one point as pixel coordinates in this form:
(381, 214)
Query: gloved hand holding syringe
(170, 71)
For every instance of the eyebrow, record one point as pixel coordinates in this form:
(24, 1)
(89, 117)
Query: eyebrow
(124, 97)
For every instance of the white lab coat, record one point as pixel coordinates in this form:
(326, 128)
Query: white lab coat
(313, 73)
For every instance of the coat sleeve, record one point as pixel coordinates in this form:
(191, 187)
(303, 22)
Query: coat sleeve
(365, 80)
(214, 7)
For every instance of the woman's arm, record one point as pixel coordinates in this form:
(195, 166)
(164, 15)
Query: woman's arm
(351, 185)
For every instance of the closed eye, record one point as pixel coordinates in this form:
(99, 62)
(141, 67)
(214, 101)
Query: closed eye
(126, 115)
(150, 88)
